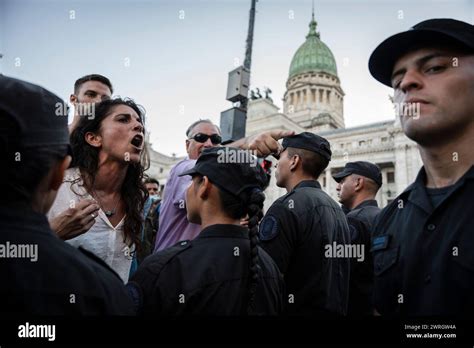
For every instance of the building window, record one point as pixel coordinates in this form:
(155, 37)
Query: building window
(324, 181)
(362, 143)
(384, 139)
(390, 177)
(341, 145)
(161, 170)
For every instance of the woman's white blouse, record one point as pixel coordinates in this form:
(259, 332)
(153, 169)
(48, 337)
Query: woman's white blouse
(104, 240)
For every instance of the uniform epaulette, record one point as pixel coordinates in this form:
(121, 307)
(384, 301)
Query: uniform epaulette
(284, 197)
(152, 266)
(155, 263)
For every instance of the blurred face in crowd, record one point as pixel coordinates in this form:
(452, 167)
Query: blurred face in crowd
(91, 92)
(120, 137)
(152, 188)
(441, 80)
(194, 147)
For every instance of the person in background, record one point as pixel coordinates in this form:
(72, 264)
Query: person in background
(152, 214)
(357, 186)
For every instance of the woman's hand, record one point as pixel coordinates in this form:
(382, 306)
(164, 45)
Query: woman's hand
(75, 221)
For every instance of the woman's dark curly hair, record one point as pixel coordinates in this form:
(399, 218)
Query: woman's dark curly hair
(86, 158)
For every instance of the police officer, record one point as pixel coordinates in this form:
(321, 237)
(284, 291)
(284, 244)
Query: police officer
(357, 186)
(423, 241)
(222, 271)
(302, 226)
(41, 274)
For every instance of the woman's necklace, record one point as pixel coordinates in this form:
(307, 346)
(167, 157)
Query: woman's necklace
(108, 213)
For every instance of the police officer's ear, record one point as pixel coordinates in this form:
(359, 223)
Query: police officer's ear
(359, 183)
(295, 160)
(204, 188)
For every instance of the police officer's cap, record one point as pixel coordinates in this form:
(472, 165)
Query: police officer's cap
(309, 141)
(433, 32)
(231, 169)
(39, 116)
(367, 169)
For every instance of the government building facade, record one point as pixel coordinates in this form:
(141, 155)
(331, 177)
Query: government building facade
(313, 102)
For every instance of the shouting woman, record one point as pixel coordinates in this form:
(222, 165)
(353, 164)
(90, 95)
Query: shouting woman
(107, 168)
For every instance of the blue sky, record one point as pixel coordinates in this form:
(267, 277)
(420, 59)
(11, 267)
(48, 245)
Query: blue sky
(173, 57)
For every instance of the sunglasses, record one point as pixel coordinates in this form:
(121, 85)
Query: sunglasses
(202, 138)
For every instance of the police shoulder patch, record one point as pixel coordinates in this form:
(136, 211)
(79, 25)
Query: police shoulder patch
(268, 228)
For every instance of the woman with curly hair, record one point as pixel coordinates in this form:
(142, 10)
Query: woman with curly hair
(107, 167)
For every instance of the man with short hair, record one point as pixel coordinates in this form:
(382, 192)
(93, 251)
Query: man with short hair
(300, 226)
(89, 89)
(42, 274)
(423, 241)
(202, 134)
(358, 184)
(357, 187)
(152, 186)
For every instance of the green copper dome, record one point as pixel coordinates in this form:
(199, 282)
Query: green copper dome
(313, 55)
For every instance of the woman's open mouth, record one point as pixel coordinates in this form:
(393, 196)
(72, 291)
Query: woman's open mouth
(137, 141)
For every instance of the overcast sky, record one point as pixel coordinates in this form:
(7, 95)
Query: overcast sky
(173, 57)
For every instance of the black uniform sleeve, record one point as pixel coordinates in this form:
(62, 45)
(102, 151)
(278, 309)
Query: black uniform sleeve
(278, 234)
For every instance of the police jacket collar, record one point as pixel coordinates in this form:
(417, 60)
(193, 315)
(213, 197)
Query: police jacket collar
(224, 231)
(367, 203)
(416, 192)
(308, 183)
(26, 217)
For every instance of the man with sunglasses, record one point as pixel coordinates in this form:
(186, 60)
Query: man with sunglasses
(202, 134)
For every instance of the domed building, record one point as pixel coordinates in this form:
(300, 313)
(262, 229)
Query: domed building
(314, 102)
(314, 96)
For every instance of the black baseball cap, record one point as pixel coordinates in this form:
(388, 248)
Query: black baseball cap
(231, 169)
(309, 141)
(436, 32)
(367, 169)
(40, 116)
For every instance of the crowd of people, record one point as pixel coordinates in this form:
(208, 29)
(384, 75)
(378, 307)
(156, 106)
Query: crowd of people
(109, 242)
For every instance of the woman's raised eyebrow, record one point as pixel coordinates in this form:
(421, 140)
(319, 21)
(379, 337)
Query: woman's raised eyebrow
(130, 116)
